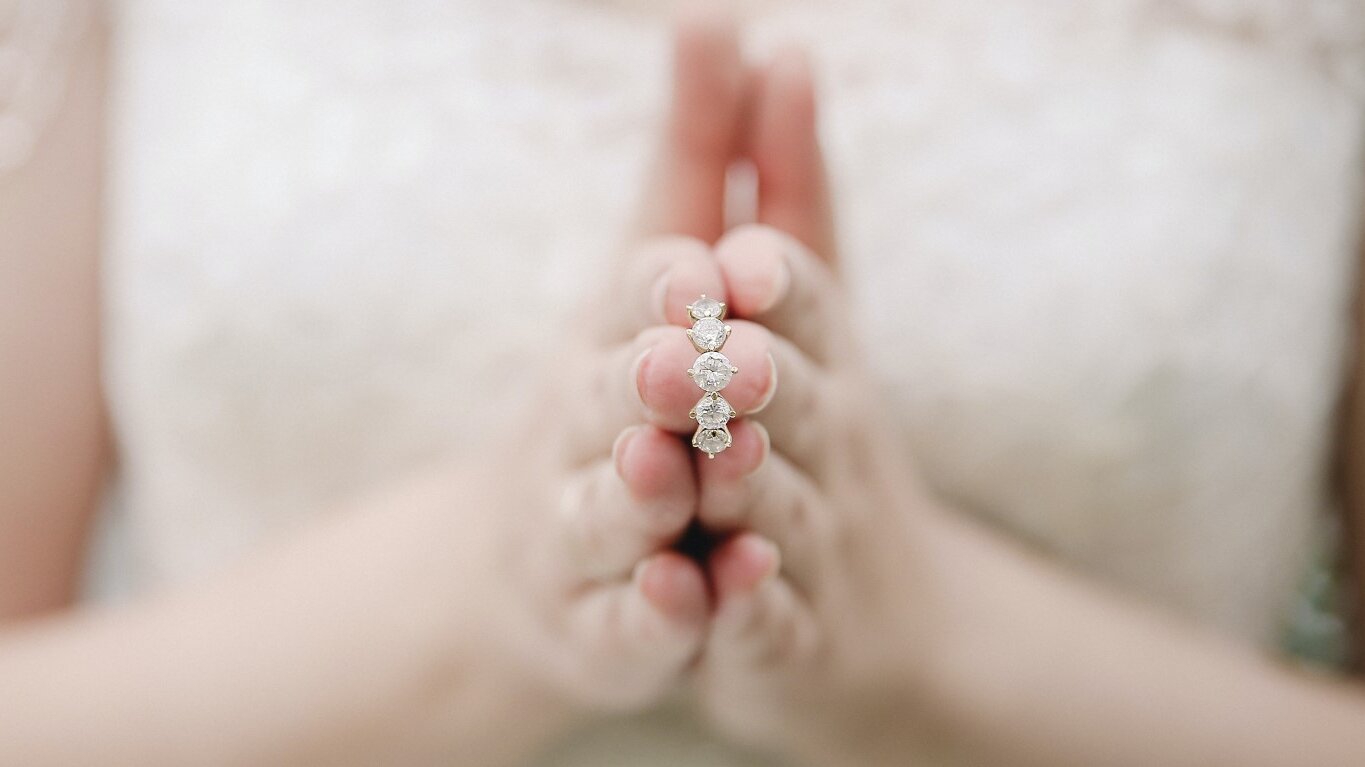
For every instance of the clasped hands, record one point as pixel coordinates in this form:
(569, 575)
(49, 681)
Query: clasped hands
(800, 623)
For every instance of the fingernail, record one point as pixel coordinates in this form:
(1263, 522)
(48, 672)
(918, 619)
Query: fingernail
(771, 391)
(618, 448)
(767, 443)
(775, 565)
(782, 281)
(637, 575)
(636, 375)
(659, 294)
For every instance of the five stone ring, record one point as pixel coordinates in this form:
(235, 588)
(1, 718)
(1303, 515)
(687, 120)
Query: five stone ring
(711, 371)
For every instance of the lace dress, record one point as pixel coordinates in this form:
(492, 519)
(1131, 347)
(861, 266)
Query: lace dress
(1101, 253)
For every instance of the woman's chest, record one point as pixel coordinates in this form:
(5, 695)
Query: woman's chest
(1100, 257)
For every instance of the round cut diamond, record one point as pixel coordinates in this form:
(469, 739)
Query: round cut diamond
(706, 307)
(713, 411)
(712, 371)
(711, 441)
(708, 334)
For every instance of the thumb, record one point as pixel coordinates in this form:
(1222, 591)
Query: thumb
(686, 192)
(784, 145)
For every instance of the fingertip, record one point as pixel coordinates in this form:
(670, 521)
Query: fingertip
(697, 23)
(675, 586)
(664, 386)
(770, 389)
(695, 275)
(702, 133)
(750, 349)
(748, 450)
(742, 564)
(754, 267)
(620, 445)
(652, 463)
(784, 144)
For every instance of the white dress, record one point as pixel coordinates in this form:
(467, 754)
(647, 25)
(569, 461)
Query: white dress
(1102, 253)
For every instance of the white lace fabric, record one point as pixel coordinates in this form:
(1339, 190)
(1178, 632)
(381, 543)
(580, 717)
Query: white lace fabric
(1102, 255)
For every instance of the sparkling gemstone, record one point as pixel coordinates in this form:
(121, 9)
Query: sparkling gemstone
(708, 334)
(711, 441)
(711, 371)
(706, 307)
(712, 411)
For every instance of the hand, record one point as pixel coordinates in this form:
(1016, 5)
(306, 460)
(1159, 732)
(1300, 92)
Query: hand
(592, 494)
(818, 591)
(816, 624)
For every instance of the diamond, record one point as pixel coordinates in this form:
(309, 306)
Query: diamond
(711, 441)
(708, 334)
(712, 411)
(706, 307)
(712, 371)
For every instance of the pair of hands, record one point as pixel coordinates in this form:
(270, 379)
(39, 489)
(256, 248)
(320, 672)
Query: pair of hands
(799, 618)
(798, 623)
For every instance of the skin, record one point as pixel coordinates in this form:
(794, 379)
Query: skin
(846, 617)
(400, 630)
(53, 453)
(860, 621)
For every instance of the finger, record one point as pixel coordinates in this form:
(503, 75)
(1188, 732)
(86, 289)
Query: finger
(750, 487)
(686, 193)
(760, 622)
(649, 629)
(777, 384)
(656, 283)
(646, 381)
(669, 394)
(784, 145)
(772, 278)
(619, 510)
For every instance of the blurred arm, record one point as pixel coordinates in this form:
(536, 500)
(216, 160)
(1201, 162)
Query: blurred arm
(349, 647)
(1036, 667)
(52, 454)
(1352, 467)
(373, 639)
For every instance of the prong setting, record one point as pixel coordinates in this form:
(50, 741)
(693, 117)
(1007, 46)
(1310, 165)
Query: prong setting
(711, 372)
(712, 411)
(704, 308)
(712, 441)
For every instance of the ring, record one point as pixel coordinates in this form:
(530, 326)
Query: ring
(711, 372)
